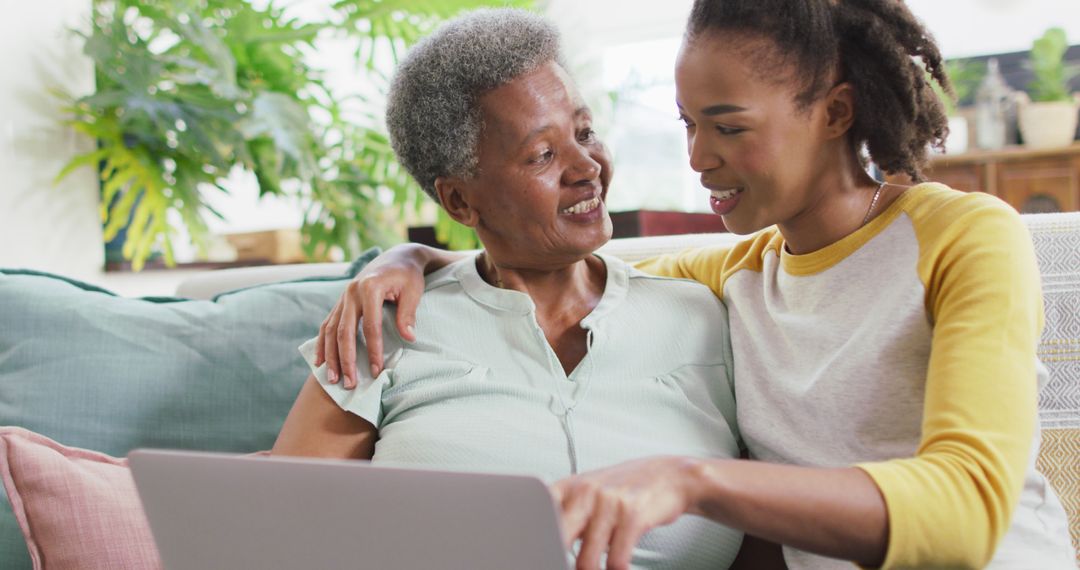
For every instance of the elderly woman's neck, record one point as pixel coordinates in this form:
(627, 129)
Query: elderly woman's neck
(563, 295)
(554, 289)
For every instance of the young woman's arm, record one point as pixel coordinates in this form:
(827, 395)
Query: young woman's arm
(317, 427)
(396, 276)
(835, 512)
(951, 503)
(984, 300)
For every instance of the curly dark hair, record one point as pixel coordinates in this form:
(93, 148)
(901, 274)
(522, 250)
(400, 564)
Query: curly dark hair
(879, 47)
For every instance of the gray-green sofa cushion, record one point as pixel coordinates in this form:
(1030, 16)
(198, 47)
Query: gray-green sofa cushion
(90, 369)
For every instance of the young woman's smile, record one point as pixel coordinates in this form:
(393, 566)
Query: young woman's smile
(723, 199)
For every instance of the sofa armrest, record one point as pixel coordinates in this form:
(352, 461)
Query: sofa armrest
(207, 285)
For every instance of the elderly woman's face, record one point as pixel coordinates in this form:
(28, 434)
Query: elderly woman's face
(542, 172)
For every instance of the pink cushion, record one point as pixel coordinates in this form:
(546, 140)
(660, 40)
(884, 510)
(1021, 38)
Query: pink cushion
(77, 508)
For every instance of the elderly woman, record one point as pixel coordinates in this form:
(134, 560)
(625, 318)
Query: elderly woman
(539, 355)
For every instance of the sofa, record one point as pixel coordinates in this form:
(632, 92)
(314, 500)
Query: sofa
(87, 376)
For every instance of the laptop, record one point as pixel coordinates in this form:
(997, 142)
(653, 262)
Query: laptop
(211, 510)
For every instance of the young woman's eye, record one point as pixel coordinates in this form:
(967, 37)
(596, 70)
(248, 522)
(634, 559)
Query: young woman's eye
(728, 131)
(686, 121)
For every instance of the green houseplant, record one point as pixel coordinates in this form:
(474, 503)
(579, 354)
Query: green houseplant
(1052, 75)
(1049, 119)
(964, 76)
(190, 90)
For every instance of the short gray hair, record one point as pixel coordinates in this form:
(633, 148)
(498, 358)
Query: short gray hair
(432, 110)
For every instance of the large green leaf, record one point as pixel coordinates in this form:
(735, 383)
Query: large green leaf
(287, 124)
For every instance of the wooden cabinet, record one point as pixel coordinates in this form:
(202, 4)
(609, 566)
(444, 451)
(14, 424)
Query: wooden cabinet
(1043, 185)
(1032, 181)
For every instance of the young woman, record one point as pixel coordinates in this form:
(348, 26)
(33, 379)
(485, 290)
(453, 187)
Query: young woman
(884, 336)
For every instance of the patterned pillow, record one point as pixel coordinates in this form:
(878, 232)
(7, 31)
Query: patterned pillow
(76, 508)
(1057, 246)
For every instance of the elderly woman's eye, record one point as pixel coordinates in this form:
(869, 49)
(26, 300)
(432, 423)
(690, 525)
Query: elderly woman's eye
(587, 135)
(542, 157)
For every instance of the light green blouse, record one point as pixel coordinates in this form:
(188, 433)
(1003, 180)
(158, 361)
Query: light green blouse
(482, 389)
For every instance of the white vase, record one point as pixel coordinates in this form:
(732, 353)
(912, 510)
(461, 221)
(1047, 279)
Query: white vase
(957, 143)
(1048, 124)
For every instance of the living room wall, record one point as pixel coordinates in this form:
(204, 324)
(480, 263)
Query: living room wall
(43, 225)
(56, 227)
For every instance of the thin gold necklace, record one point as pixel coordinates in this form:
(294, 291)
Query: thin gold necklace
(873, 202)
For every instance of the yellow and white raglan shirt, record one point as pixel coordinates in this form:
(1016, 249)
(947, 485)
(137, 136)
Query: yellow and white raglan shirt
(908, 349)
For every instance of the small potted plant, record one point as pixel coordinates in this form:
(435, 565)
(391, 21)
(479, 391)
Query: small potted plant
(1049, 118)
(965, 77)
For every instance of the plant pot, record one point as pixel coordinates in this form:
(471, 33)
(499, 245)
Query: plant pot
(1048, 124)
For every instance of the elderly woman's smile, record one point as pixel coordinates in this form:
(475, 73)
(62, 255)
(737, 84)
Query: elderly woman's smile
(583, 207)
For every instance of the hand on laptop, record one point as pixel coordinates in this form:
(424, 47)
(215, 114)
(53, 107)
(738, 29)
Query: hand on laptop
(609, 510)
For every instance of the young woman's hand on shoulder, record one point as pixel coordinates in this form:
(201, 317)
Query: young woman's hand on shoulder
(396, 276)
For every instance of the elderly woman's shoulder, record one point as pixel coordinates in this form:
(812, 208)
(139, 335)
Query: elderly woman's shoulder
(451, 274)
(680, 289)
(669, 289)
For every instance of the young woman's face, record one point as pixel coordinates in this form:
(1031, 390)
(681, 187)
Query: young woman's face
(758, 153)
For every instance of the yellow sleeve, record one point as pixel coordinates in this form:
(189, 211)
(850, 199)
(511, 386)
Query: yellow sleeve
(953, 502)
(711, 265)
